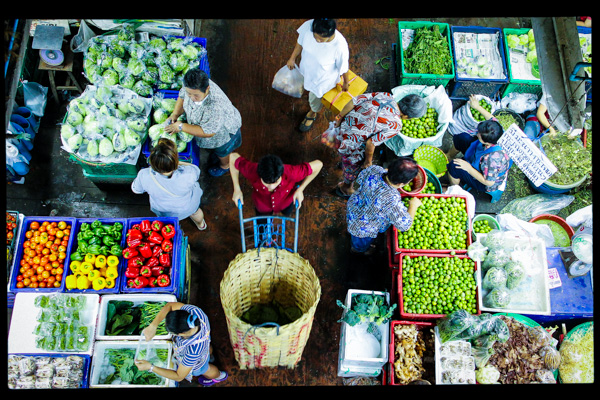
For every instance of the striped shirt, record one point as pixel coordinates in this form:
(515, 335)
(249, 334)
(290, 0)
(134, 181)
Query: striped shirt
(375, 206)
(193, 351)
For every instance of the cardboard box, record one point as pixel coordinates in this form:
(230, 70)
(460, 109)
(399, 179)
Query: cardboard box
(335, 99)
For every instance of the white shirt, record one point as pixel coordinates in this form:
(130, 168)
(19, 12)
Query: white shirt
(321, 64)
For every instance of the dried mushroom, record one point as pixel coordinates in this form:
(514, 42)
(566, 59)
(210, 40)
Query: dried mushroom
(410, 350)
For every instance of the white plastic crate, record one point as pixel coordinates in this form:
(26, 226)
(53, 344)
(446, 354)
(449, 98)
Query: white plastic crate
(99, 362)
(136, 299)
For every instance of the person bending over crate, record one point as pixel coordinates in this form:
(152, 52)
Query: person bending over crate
(276, 186)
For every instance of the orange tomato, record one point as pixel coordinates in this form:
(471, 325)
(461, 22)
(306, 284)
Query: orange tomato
(62, 255)
(59, 234)
(62, 225)
(29, 234)
(51, 279)
(20, 285)
(33, 285)
(52, 257)
(39, 270)
(46, 274)
(26, 281)
(55, 264)
(56, 284)
(58, 279)
(59, 271)
(64, 243)
(34, 225)
(42, 228)
(62, 249)
(36, 260)
(42, 284)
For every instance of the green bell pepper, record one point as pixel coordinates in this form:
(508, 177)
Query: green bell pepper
(99, 231)
(116, 250)
(95, 240)
(87, 235)
(108, 240)
(93, 249)
(84, 226)
(104, 250)
(76, 256)
(117, 235)
(82, 246)
(96, 224)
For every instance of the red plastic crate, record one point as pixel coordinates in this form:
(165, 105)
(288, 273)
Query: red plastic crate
(420, 326)
(400, 299)
(398, 250)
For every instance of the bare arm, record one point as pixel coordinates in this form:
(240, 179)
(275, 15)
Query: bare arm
(316, 166)
(235, 178)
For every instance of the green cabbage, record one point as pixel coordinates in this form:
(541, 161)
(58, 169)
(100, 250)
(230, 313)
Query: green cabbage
(127, 80)
(142, 89)
(137, 124)
(530, 35)
(523, 39)
(132, 138)
(155, 131)
(66, 131)
(117, 50)
(531, 56)
(176, 44)
(156, 44)
(185, 137)
(75, 141)
(105, 147)
(177, 62)
(190, 52)
(160, 116)
(119, 65)
(166, 74)
(137, 105)
(181, 146)
(168, 104)
(136, 66)
(512, 41)
(74, 118)
(118, 142)
(110, 77)
(92, 148)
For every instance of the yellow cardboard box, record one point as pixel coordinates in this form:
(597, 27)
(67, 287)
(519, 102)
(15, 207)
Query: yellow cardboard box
(335, 99)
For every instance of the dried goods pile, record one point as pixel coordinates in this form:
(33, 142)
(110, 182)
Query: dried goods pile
(413, 351)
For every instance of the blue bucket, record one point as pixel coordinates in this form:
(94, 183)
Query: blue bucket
(28, 115)
(23, 123)
(23, 148)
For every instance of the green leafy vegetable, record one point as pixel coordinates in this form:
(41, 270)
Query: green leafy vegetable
(366, 308)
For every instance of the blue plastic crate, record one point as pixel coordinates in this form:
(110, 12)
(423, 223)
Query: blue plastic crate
(121, 268)
(87, 363)
(175, 258)
(19, 254)
(464, 87)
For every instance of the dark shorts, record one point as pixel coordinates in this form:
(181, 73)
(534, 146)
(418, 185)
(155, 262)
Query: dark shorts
(461, 143)
(235, 141)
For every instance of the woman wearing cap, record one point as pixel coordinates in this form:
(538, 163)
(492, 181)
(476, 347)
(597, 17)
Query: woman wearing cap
(191, 340)
(367, 121)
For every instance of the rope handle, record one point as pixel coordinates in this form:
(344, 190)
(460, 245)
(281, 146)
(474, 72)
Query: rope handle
(340, 92)
(254, 327)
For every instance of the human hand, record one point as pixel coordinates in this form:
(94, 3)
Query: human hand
(149, 332)
(298, 196)
(143, 365)
(291, 63)
(415, 202)
(237, 195)
(462, 164)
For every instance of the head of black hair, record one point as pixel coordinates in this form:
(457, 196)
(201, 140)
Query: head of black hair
(324, 27)
(490, 131)
(196, 79)
(176, 321)
(270, 168)
(402, 170)
(413, 106)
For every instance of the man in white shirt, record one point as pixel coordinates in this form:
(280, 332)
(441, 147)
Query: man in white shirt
(324, 58)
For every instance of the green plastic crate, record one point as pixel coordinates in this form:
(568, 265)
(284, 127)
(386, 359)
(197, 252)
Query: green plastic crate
(518, 85)
(110, 179)
(406, 78)
(108, 169)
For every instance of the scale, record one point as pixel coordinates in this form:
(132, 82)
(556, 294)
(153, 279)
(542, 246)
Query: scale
(49, 39)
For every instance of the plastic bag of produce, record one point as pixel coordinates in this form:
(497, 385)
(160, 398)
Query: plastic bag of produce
(495, 277)
(497, 298)
(289, 81)
(496, 257)
(452, 325)
(510, 222)
(533, 205)
(515, 273)
(463, 120)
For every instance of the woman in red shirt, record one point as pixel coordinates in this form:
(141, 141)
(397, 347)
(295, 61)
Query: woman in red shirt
(276, 186)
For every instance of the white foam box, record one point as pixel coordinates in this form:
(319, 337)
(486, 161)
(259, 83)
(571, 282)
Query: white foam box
(364, 366)
(136, 299)
(21, 337)
(100, 362)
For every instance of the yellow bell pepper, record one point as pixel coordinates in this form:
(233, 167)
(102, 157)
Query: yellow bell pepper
(71, 282)
(110, 283)
(85, 267)
(112, 261)
(83, 282)
(91, 258)
(100, 261)
(99, 283)
(111, 273)
(74, 265)
(93, 274)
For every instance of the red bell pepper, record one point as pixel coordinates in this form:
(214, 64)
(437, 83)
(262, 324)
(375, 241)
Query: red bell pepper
(156, 225)
(135, 226)
(165, 260)
(135, 261)
(129, 252)
(132, 272)
(140, 282)
(145, 250)
(158, 270)
(156, 251)
(163, 280)
(166, 246)
(152, 281)
(145, 271)
(151, 262)
(155, 237)
(130, 283)
(134, 237)
(145, 226)
(168, 231)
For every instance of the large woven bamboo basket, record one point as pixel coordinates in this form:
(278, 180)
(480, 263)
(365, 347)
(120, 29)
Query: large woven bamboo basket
(260, 276)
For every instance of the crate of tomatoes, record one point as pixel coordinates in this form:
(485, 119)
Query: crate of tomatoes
(151, 253)
(41, 259)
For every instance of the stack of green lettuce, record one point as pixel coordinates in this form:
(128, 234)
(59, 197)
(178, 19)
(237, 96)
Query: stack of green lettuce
(162, 109)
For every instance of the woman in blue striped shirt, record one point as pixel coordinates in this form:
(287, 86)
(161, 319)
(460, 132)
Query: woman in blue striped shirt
(377, 203)
(191, 341)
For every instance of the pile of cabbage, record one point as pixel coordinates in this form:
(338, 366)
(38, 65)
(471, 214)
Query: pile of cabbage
(106, 124)
(142, 66)
(162, 109)
(525, 43)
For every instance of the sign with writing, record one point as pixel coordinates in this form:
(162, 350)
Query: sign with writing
(528, 157)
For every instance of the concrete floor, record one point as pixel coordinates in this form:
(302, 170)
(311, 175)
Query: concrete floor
(243, 57)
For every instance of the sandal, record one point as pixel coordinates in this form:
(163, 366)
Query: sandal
(339, 193)
(304, 126)
(218, 171)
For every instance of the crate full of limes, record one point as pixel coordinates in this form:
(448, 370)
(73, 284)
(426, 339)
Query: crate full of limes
(433, 285)
(441, 225)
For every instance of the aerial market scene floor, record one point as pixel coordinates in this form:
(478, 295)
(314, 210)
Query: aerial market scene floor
(482, 288)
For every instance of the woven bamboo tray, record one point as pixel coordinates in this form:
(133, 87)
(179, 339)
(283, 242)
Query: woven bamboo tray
(260, 276)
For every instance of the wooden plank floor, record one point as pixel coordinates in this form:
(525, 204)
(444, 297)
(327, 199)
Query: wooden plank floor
(243, 57)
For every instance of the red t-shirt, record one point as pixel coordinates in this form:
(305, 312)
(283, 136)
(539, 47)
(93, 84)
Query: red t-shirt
(281, 197)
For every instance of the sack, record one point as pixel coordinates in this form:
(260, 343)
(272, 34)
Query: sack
(289, 81)
(330, 137)
(35, 97)
(463, 121)
(79, 42)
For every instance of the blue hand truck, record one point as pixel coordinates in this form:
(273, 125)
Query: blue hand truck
(269, 230)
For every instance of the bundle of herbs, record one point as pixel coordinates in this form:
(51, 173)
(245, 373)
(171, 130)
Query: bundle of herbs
(122, 369)
(428, 53)
(124, 317)
(570, 158)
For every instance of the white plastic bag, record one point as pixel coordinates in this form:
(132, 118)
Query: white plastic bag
(509, 222)
(457, 190)
(330, 137)
(289, 81)
(35, 97)
(79, 41)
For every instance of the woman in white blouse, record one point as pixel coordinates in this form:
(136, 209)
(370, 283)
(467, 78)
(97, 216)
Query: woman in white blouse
(324, 58)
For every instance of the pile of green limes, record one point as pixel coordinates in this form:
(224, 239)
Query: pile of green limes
(428, 189)
(440, 223)
(477, 115)
(423, 127)
(438, 285)
(481, 226)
